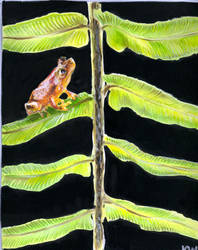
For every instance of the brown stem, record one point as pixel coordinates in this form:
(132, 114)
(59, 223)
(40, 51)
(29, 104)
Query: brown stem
(96, 35)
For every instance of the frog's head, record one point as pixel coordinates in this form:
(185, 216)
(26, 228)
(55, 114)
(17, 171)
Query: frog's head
(32, 107)
(65, 67)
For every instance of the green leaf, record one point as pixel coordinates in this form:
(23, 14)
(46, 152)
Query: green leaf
(47, 32)
(37, 177)
(168, 40)
(24, 130)
(149, 101)
(45, 230)
(157, 165)
(151, 218)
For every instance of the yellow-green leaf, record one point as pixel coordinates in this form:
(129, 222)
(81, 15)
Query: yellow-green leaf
(167, 40)
(45, 230)
(151, 218)
(24, 130)
(149, 101)
(157, 165)
(37, 177)
(47, 32)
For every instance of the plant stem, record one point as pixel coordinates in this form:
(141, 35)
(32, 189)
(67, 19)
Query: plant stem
(96, 35)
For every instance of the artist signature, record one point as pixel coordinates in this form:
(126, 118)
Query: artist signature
(189, 248)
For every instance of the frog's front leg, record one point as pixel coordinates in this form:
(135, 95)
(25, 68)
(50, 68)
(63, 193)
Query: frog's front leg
(70, 94)
(58, 103)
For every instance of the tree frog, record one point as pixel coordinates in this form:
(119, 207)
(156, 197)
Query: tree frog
(48, 91)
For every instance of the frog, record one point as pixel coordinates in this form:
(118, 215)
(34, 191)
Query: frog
(48, 92)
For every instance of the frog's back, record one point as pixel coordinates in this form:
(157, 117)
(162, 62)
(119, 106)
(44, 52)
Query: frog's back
(45, 88)
(42, 91)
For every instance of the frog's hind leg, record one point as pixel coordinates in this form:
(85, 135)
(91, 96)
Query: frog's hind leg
(59, 104)
(43, 111)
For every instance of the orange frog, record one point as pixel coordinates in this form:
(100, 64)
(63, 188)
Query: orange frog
(48, 92)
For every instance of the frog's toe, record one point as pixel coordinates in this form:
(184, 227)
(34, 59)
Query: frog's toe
(74, 96)
(63, 108)
(44, 113)
(71, 94)
(68, 103)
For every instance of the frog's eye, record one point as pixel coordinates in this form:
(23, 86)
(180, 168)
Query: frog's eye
(62, 71)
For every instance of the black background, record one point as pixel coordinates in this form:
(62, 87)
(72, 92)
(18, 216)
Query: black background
(22, 73)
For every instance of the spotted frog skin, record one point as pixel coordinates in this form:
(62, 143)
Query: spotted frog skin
(48, 91)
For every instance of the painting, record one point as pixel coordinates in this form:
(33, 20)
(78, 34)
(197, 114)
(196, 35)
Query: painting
(99, 125)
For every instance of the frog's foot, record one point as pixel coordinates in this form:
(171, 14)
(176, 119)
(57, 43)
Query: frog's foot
(43, 112)
(59, 104)
(63, 105)
(71, 94)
